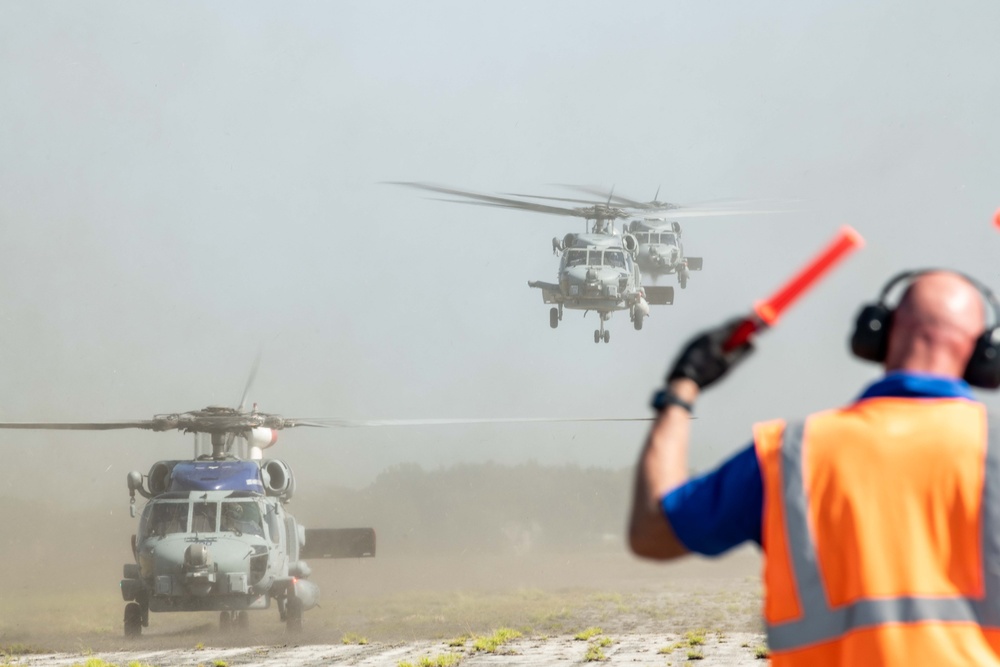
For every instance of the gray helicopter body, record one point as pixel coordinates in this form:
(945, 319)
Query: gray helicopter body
(598, 272)
(660, 249)
(215, 536)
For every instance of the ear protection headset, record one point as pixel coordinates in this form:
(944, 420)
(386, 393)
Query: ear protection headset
(870, 340)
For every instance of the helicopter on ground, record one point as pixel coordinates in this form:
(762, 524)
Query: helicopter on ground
(215, 534)
(597, 270)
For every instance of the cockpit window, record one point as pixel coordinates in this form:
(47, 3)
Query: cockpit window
(576, 257)
(668, 239)
(203, 517)
(241, 517)
(164, 518)
(616, 259)
(595, 258)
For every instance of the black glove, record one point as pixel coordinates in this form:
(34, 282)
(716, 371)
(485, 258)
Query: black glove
(703, 359)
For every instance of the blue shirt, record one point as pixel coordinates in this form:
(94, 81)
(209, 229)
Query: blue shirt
(723, 508)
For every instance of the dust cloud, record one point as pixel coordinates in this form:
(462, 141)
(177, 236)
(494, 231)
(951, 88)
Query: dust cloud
(461, 551)
(186, 184)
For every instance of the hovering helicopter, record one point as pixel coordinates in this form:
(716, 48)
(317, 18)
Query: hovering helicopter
(597, 269)
(655, 228)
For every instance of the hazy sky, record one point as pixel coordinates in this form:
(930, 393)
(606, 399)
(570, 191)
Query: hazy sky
(185, 183)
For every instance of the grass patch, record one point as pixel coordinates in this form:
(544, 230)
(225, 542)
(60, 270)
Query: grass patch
(220, 663)
(442, 660)
(589, 633)
(604, 642)
(491, 643)
(695, 654)
(594, 654)
(353, 638)
(18, 649)
(667, 650)
(695, 637)
(458, 642)
(760, 653)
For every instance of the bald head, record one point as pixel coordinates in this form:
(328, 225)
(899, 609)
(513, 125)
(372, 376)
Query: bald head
(935, 326)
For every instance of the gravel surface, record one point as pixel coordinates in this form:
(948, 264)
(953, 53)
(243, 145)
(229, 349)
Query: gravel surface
(739, 648)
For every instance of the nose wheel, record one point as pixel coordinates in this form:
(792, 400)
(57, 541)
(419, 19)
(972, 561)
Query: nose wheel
(602, 333)
(555, 314)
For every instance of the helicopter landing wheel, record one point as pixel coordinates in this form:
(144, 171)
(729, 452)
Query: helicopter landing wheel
(293, 614)
(242, 620)
(225, 621)
(682, 278)
(597, 335)
(607, 336)
(554, 317)
(637, 322)
(133, 619)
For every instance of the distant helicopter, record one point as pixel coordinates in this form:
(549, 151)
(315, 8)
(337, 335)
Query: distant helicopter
(597, 269)
(655, 228)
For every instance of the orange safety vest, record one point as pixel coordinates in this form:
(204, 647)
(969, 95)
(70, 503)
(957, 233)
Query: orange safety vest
(881, 534)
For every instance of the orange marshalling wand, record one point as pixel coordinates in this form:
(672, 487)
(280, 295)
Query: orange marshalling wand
(767, 312)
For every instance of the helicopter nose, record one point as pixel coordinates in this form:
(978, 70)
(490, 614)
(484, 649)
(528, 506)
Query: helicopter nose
(199, 575)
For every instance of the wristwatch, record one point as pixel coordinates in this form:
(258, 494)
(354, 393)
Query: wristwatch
(665, 397)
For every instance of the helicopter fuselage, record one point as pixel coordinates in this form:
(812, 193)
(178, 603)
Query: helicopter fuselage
(215, 536)
(597, 272)
(661, 251)
(192, 555)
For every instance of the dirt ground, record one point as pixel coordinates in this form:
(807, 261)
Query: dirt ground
(413, 609)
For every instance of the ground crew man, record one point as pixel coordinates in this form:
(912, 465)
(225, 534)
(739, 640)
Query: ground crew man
(880, 521)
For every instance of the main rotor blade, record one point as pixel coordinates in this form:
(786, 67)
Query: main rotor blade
(76, 426)
(513, 203)
(621, 200)
(608, 194)
(590, 202)
(323, 422)
(692, 213)
(489, 199)
(599, 210)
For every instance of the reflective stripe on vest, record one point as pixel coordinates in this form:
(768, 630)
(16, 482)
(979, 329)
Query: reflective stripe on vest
(820, 622)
